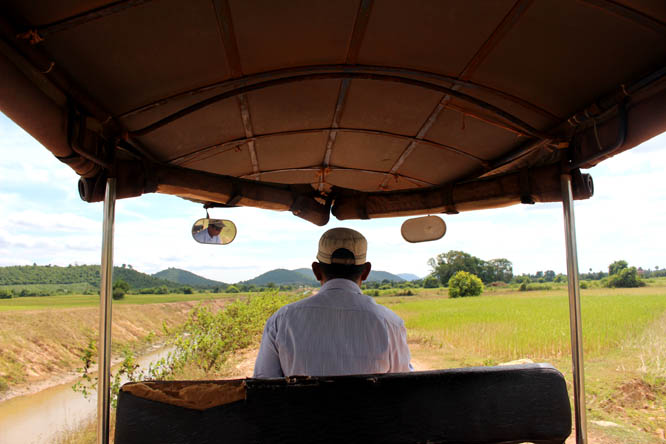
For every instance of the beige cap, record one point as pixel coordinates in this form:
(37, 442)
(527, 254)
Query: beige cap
(337, 238)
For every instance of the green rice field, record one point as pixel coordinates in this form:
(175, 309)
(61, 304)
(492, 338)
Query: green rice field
(514, 325)
(77, 300)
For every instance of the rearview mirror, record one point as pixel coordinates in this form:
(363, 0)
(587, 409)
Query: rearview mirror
(423, 229)
(214, 231)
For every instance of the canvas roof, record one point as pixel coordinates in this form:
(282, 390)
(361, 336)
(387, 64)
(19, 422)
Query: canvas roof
(368, 106)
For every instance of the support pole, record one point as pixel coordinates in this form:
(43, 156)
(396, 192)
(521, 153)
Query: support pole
(104, 343)
(574, 311)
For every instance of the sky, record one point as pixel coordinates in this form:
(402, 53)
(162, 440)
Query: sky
(43, 221)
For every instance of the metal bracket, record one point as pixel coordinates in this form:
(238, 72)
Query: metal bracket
(83, 141)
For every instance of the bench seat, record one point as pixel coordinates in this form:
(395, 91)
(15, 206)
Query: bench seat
(504, 404)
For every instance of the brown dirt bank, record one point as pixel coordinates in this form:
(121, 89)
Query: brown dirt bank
(42, 348)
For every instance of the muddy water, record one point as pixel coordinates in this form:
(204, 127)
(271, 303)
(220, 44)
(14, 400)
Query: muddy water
(37, 418)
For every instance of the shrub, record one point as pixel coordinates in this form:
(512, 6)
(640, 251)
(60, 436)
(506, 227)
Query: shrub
(232, 289)
(161, 290)
(6, 294)
(625, 278)
(187, 290)
(117, 294)
(523, 287)
(498, 284)
(583, 284)
(431, 282)
(374, 293)
(464, 284)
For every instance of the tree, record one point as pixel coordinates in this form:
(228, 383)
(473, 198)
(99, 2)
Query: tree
(120, 287)
(445, 265)
(549, 275)
(616, 266)
(498, 270)
(625, 278)
(464, 284)
(431, 282)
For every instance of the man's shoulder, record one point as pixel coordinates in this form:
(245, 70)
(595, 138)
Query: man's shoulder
(390, 316)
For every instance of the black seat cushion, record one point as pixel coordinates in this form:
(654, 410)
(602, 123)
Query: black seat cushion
(502, 404)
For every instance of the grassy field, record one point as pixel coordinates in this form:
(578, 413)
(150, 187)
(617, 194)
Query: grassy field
(77, 300)
(624, 336)
(624, 333)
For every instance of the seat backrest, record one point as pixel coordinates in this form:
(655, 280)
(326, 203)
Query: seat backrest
(503, 404)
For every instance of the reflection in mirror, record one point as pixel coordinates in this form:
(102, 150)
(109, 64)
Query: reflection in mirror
(423, 229)
(214, 231)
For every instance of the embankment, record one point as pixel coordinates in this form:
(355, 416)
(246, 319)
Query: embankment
(43, 348)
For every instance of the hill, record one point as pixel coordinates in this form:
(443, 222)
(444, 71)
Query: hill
(379, 275)
(75, 274)
(185, 277)
(306, 277)
(409, 276)
(281, 276)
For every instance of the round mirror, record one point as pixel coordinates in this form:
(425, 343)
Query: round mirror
(423, 229)
(214, 231)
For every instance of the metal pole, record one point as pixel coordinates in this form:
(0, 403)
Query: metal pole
(574, 311)
(104, 348)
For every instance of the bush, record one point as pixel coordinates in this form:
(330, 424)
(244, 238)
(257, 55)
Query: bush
(583, 285)
(117, 294)
(431, 282)
(374, 293)
(187, 290)
(6, 294)
(498, 284)
(464, 284)
(625, 278)
(523, 287)
(232, 289)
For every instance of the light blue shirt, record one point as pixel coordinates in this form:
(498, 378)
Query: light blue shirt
(338, 331)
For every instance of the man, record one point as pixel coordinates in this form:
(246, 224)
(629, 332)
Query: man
(211, 235)
(338, 331)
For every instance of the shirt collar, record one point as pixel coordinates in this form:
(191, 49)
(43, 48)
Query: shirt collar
(344, 284)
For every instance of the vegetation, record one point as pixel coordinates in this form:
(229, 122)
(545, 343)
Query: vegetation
(50, 278)
(624, 278)
(201, 345)
(431, 282)
(120, 287)
(184, 277)
(445, 265)
(464, 284)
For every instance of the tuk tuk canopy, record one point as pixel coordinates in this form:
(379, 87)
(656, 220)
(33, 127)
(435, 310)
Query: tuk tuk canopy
(358, 108)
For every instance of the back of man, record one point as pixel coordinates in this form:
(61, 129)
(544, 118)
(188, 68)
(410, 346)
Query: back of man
(339, 330)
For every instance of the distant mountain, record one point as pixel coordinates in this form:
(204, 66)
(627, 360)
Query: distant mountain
(381, 275)
(307, 272)
(74, 274)
(305, 276)
(281, 276)
(408, 276)
(185, 277)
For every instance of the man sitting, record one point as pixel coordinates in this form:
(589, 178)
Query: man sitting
(210, 235)
(339, 330)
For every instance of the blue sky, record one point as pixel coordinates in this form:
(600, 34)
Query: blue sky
(45, 222)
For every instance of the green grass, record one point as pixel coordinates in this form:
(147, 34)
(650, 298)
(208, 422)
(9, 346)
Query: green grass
(514, 325)
(77, 300)
(624, 339)
(51, 288)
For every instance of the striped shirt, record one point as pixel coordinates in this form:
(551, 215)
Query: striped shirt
(338, 331)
